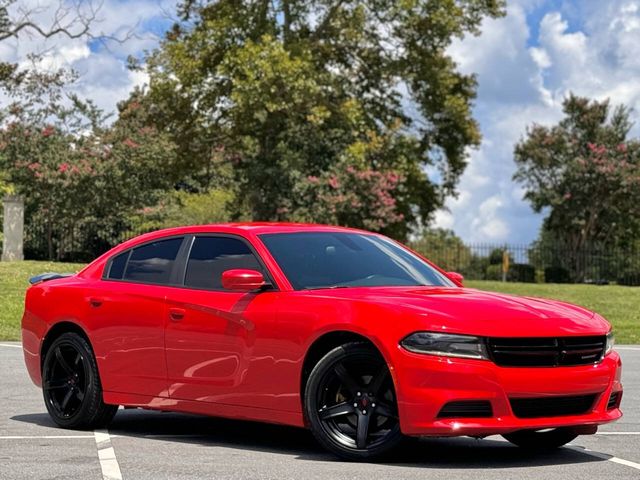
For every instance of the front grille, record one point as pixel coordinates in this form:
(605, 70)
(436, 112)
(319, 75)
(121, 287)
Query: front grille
(546, 352)
(551, 406)
(466, 409)
(614, 400)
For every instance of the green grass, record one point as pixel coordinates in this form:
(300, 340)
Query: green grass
(620, 305)
(14, 280)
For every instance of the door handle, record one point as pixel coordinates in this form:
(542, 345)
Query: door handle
(95, 302)
(176, 314)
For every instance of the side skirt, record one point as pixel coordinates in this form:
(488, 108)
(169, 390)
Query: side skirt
(237, 412)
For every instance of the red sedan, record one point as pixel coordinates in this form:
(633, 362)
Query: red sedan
(343, 331)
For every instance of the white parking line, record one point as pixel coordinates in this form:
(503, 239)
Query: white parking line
(628, 348)
(42, 437)
(604, 456)
(618, 433)
(10, 345)
(107, 456)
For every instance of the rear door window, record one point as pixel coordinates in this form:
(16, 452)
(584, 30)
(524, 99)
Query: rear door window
(118, 264)
(152, 262)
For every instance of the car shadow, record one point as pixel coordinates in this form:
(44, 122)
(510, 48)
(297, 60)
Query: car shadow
(440, 453)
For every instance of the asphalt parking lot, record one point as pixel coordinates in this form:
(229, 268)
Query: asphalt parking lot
(153, 445)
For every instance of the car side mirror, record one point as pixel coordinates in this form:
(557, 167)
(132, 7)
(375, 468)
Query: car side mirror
(241, 280)
(456, 278)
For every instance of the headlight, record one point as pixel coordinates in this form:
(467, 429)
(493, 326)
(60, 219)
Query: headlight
(611, 341)
(446, 345)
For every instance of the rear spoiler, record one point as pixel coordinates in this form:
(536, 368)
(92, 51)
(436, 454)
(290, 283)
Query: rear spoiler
(45, 277)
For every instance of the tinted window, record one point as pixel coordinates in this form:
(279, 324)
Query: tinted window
(152, 263)
(210, 256)
(332, 260)
(116, 270)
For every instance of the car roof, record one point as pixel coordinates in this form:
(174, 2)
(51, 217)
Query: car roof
(256, 228)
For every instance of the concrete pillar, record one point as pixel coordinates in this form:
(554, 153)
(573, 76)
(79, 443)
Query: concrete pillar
(13, 229)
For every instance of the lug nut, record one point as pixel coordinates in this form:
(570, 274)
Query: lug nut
(364, 412)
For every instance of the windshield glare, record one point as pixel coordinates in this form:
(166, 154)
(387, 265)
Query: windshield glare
(313, 260)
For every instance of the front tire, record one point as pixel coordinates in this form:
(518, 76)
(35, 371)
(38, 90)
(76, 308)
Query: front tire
(350, 403)
(541, 440)
(71, 385)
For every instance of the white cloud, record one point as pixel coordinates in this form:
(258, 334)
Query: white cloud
(100, 63)
(588, 48)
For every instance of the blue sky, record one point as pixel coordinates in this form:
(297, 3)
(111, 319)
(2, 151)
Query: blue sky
(526, 63)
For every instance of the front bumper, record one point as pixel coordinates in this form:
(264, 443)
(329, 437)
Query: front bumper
(425, 383)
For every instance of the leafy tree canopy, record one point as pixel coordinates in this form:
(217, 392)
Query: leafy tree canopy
(585, 172)
(308, 99)
(56, 151)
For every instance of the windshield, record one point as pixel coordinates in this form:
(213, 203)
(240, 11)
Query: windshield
(313, 260)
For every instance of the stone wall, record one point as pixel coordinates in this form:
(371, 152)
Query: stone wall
(13, 229)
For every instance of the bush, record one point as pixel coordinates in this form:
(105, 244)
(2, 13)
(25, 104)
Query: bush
(556, 275)
(630, 279)
(522, 272)
(493, 272)
(518, 272)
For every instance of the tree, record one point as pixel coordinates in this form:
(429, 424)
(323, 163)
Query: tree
(73, 171)
(445, 249)
(70, 19)
(293, 91)
(67, 18)
(586, 172)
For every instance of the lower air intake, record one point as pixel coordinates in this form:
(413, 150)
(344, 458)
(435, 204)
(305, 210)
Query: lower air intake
(466, 409)
(551, 406)
(614, 400)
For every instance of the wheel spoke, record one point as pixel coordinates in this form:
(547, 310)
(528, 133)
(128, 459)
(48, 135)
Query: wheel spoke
(77, 360)
(378, 380)
(385, 410)
(362, 431)
(343, 408)
(346, 379)
(79, 394)
(54, 384)
(66, 399)
(62, 362)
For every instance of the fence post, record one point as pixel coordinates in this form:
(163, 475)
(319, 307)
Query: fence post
(505, 264)
(13, 229)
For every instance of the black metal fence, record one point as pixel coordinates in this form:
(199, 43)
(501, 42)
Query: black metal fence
(82, 242)
(73, 243)
(537, 263)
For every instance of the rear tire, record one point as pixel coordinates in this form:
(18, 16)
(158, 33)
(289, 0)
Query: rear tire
(71, 385)
(541, 440)
(350, 403)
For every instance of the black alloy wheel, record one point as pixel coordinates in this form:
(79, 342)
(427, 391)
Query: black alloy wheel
(351, 405)
(71, 385)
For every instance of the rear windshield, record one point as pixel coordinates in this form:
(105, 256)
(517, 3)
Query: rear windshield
(313, 260)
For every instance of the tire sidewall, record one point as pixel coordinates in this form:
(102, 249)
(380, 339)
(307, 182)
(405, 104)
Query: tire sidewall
(535, 440)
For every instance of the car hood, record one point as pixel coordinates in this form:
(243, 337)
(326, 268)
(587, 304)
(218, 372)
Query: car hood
(464, 310)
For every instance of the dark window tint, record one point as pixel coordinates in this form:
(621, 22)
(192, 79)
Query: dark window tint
(116, 271)
(210, 256)
(331, 260)
(152, 263)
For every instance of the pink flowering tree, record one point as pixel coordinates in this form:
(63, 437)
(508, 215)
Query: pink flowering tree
(584, 173)
(71, 167)
(348, 196)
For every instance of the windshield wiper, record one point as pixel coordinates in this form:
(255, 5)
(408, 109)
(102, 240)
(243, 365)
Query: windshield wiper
(327, 287)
